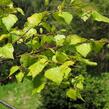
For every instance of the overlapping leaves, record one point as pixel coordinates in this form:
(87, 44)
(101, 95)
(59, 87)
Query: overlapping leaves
(60, 52)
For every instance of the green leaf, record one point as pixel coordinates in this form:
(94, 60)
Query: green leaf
(67, 64)
(13, 70)
(20, 76)
(46, 2)
(54, 74)
(71, 93)
(57, 74)
(79, 85)
(20, 11)
(80, 78)
(98, 45)
(54, 59)
(75, 39)
(79, 96)
(63, 16)
(98, 17)
(14, 35)
(46, 26)
(46, 40)
(64, 68)
(9, 21)
(6, 7)
(59, 39)
(35, 19)
(66, 16)
(84, 49)
(72, 1)
(26, 60)
(39, 83)
(37, 67)
(30, 33)
(85, 16)
(61, 57)
(3, 36)
(7, 51)
(33, 44)
(66, 72)
(5, 2)
(88, 62)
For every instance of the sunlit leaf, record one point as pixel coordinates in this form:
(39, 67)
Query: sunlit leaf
(54, 74)
(59, 39)
(20, 11)
(35, 19)
(37, 67)
(63, 17)
(66, 16)
(98, 17)
(79, 85)
(84, 49)
(57, 74)
(20, 76)
(75, 39)
(30, 33)
(71, 93)
(13, 70)
(9, 21)
(88, 62)
(7, 51)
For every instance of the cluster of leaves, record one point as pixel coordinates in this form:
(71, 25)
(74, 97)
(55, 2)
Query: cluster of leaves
(44, 50)
(95, 94)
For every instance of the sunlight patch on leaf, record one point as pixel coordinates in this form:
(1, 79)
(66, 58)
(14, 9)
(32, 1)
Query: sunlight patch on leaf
(7, 51)
(9, 21)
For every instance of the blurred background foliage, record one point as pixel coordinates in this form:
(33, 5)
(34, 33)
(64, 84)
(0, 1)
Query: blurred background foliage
(96, 89)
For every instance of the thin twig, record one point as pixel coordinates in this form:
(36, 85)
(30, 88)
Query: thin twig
(6, 105)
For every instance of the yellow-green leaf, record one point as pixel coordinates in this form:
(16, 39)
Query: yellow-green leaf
(54, 74)
(84, 49)
(20, 11)
(37, 67)
(13, 70)
(57, 74)
(46, 2)
(75, 39)
(98, 17)
(7, 51)
(35, 19)
(9, 21)
(66, 16)
(59, 39)
(88, 62)
(79, 85)
(20, 76)
(71, 93)
(26, 60)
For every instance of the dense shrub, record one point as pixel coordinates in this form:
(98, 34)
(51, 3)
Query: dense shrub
(95, 95)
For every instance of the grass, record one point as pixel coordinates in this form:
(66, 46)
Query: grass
(20, 95)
